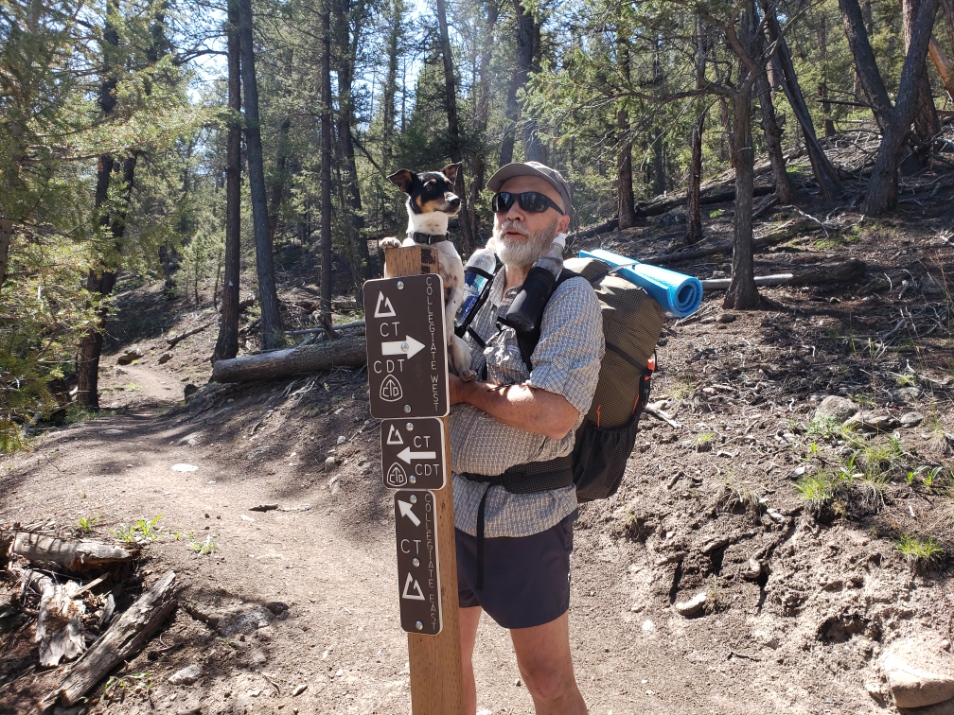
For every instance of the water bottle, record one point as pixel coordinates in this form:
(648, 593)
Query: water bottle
(478, 273)
(527, 308)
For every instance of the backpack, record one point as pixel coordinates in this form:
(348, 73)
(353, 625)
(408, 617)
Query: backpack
(632, 323)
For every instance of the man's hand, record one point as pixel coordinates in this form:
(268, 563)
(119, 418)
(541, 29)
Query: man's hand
(522, 406)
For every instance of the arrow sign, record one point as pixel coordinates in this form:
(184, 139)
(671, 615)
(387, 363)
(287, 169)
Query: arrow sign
(396, 347)
(406, 455)
(408, 511)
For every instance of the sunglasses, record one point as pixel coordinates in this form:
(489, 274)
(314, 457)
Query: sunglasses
(531, 201)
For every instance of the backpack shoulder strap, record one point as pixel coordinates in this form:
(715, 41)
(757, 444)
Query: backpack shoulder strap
(528, 341)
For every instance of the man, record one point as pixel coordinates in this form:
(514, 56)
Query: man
(512, 434)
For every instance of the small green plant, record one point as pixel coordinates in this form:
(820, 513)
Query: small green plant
(683, 390)
(928, 475)
(118, 685)
(818, 489)
(704, 441)
(717, 213)
(77, 413)
(207, 547)
(86, 523)
(920, 550)
(133, 387)
(148, 528)
(906, 379)
(142, 530)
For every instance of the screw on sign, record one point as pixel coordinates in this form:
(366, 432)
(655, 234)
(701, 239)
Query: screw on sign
(407, 347)
(412, 453)
(415, 527)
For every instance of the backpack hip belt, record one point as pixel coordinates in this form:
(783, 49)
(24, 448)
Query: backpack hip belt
(531, 477)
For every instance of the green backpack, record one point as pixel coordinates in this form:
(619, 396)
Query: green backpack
(632, 323)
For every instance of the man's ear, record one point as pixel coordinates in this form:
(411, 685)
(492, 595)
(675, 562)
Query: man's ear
(450, 171)
(403, 180)
(563, 224)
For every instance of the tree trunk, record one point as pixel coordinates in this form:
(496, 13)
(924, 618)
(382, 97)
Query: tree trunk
(883, 186)
(866, 65)
(453, 126)
(484, 75)
(943, 65)
(742, 293)
(626, 201)
(6, 236)
(926, 122)
(226, 346)
(350, 351)
(773, 140)
(694, 189)
(390, 82)
(327, 157)
(526, 27)
(825, 173)
(265, 260)
(693, 203)
(829, 125)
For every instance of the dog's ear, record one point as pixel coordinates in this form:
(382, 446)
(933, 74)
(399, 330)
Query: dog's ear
(403, 180)
(450, 171)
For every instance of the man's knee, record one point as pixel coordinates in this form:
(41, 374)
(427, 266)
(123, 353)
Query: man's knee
(549, 681)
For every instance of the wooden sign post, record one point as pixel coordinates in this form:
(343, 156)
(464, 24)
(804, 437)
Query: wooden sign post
(407, 370)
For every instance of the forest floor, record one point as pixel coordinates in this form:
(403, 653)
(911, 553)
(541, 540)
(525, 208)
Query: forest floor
(305, 594)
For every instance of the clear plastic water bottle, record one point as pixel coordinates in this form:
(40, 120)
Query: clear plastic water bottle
(527, 308)
(478, 272)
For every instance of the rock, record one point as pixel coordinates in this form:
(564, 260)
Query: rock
(871, 423)
(835, 408)
(727, 318)
(693, 607)
(918, 674)
(330, 464)
(911, 419)
(184, 468)
(907, 394)
(246, 619)
(164, 358)
(129, 356)
(189, 390)
(299, 689)
(945, 708)
(752, 569)
(341, 439)
(186, 676)
(765, 639)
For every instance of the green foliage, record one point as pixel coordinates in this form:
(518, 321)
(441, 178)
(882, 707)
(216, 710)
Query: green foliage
(819, 489)
(920, 550)
(144, 530)
(87, 523)
(206, 547)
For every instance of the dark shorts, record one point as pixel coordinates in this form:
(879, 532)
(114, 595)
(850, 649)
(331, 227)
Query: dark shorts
(526, 579)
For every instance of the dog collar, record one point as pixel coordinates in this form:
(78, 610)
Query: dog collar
(427, 238)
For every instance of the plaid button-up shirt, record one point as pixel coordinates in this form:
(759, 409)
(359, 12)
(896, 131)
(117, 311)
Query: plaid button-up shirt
(566, 361)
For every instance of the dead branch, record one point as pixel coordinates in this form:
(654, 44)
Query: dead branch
(124, 639)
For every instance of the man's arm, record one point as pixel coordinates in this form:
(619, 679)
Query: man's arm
(522, 406)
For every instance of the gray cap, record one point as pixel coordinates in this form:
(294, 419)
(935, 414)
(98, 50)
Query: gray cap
(533, 168)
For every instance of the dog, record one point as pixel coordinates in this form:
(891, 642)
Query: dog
(431, 202)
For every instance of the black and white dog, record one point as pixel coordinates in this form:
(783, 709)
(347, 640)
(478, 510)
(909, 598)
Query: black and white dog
(431, 202)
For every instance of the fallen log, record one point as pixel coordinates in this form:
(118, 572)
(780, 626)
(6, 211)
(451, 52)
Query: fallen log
(59, 625)
(74, 555)
(804, 275)
(173, 341)
(349, 351)
(124, 639)
(783, 233)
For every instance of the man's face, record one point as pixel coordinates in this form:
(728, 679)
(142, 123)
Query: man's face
(522, 237)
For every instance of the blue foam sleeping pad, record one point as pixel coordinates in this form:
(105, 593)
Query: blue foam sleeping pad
(677, 293)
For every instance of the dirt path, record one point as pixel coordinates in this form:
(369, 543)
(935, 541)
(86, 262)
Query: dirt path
(325, 564)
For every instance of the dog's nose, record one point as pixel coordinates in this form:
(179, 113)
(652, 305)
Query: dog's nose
(452, 200)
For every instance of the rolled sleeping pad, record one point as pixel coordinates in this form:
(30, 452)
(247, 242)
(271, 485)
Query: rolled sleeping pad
(677, 293)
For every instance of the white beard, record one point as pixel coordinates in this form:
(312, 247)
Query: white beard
(522, 254)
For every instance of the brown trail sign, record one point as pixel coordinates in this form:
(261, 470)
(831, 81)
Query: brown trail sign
(407, 372)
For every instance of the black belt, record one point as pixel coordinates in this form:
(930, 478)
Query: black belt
(521, 479)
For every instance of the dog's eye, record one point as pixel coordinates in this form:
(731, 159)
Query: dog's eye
(430, 187)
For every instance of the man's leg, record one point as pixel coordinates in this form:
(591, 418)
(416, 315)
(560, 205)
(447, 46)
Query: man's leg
(543, 654)
(469, 619)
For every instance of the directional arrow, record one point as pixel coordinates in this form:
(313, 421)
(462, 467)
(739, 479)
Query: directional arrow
(408, 511)
(407, 455)
(410, 346)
